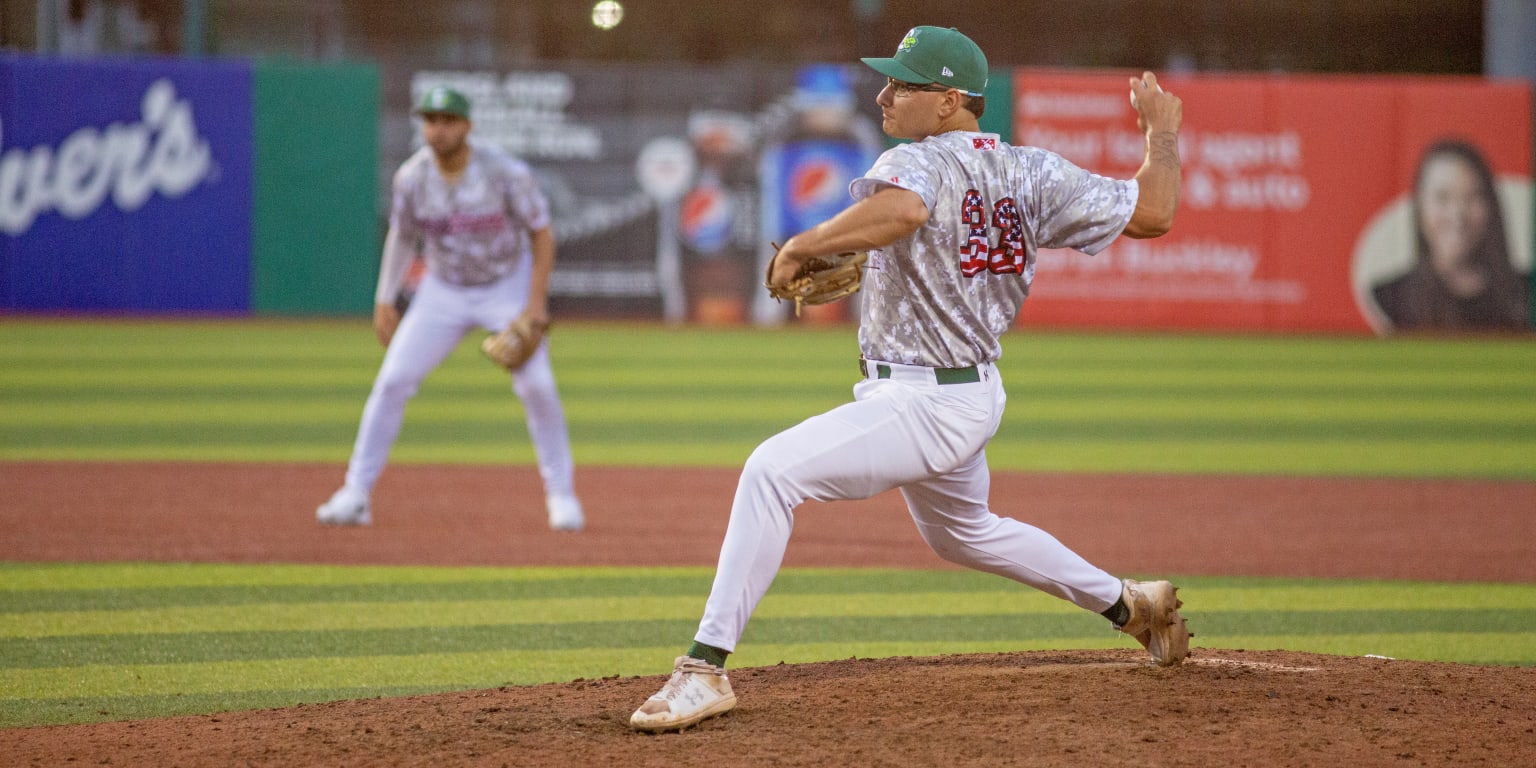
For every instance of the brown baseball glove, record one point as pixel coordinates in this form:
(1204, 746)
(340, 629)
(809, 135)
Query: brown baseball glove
(512, 347)
(822, 280)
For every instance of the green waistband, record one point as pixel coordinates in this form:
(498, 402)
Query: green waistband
(957, 375)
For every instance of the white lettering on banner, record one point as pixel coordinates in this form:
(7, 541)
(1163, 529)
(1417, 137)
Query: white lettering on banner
(1245, 171)
(1192, 270)
(133, 161)
(523, 112)
(1270, 192)
(1085, 148)
(1181, 258)
(1233, 152)
(612, 282)
(1272, 292)
(1226, 170)
(598, 217)
(1058, 104)
(1188, 257)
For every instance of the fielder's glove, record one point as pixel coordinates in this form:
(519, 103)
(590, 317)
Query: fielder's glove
(513, 346)
(821, 279)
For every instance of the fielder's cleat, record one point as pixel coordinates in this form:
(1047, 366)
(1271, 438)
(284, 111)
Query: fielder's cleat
(696, 690)
(565, 513)
(1155, 621)
(346, 507)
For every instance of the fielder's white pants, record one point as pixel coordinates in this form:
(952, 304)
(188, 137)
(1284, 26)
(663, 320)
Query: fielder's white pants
(438, 319)
(906, 432)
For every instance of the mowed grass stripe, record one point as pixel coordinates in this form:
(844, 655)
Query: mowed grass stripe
(105, 588)
(1517, 648)
(295, 615)
(322, 339)
(459, 670)
(199, 647)
(810, 615)
(293, 391)
(459, 372)
(284, 617)
(444, 670)
(191, 648)
(627, 407)
(488, 668)
(465, 376)
(658, 353)
(66, 587)
(1344, 457)
(1508, 649)
(161, 598)
(495, 429)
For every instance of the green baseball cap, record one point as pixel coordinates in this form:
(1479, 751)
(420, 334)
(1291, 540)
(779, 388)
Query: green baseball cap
(936, 55)
(444, 101)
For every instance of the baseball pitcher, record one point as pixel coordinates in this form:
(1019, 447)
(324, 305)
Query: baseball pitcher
(951, 223)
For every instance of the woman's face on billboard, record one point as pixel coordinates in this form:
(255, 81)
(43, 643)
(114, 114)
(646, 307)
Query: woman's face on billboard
(1454, 213)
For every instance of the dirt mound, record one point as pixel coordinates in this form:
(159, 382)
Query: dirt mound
(1078, 708)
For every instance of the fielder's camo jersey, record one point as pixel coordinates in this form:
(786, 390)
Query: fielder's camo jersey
(942, 297)
(472, 232)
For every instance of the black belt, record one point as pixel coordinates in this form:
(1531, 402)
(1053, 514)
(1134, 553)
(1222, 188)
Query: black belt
(969, 375)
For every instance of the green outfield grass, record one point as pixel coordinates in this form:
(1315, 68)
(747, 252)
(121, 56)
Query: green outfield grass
(85, 643)
(649, 395)
(123, 641)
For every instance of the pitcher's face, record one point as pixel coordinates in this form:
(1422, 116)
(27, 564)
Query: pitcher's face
(909, 111)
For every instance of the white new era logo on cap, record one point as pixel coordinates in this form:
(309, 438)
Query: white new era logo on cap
(948, 73)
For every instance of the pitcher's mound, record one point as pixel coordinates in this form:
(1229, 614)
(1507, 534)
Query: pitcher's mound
(1074, 708)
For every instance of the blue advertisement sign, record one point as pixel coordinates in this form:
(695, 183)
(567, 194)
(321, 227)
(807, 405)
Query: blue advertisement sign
(125, 185)
(807, 181)
(708, 215)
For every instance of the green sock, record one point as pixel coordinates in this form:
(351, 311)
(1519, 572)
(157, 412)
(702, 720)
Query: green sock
(1118, 614)
(708, 653)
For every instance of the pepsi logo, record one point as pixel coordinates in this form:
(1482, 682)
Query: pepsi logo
(706, 218)
(816, 182)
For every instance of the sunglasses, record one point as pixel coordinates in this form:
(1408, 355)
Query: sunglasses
(903, 88)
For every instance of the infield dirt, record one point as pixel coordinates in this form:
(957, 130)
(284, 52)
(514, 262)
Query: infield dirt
(1223, 708)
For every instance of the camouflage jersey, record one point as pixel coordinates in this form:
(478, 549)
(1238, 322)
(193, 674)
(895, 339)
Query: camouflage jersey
(942, 296)
(471, 232)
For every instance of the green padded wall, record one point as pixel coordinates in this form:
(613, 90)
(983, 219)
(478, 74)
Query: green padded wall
(315, 210)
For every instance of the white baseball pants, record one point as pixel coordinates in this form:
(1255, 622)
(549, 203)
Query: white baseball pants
(909, 432)
(440, 316)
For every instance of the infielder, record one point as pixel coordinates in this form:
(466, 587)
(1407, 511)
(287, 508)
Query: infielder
(480, 221)
(952, 222)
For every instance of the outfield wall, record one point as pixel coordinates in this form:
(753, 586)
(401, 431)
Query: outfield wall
(187, 186)
(234, 187)
(1296, 211)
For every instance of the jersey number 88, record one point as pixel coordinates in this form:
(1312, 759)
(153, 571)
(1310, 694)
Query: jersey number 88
(978, 253)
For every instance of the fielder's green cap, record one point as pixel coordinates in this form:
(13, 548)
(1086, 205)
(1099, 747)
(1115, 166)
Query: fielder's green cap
(443, 100)
(936, 55)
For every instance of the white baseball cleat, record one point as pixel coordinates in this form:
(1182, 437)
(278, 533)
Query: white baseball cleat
(346, 507)
(1155, 621)
(565, 513)
(697, 690)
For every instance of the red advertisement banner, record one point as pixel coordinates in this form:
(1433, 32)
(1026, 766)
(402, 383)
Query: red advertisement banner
(1297, 209)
